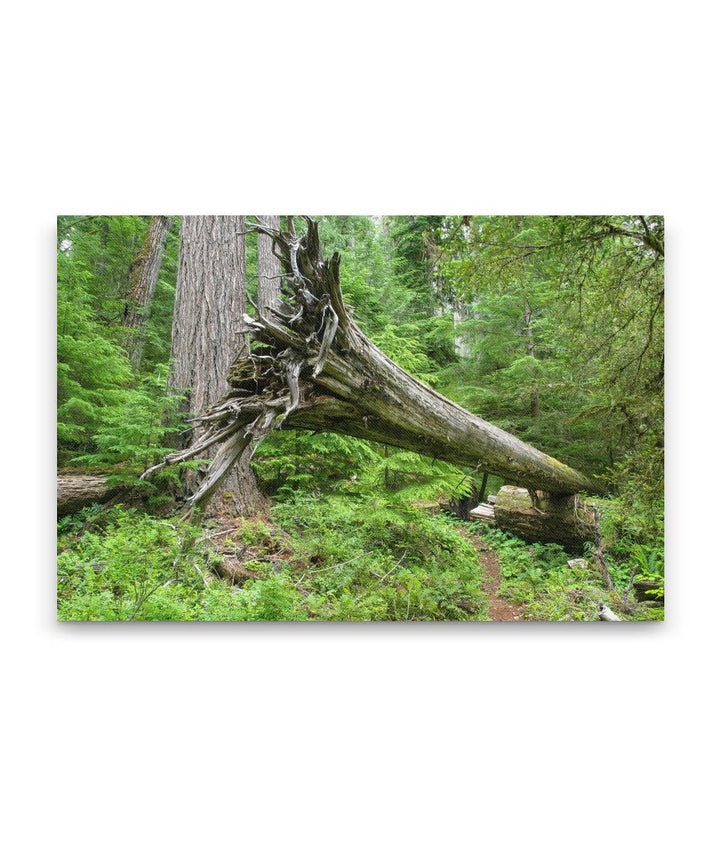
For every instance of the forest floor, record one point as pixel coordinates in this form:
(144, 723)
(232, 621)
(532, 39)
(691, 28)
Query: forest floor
(499, 609)
(325, 558)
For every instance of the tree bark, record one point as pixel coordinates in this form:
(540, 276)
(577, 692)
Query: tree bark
(534, 396)
(315, 369)
(75, 491)
(268, 264)
(209, 306)
(144, 272)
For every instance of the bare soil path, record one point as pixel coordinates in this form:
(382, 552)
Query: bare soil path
(498, 608)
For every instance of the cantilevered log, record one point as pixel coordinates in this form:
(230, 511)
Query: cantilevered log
(312, 367)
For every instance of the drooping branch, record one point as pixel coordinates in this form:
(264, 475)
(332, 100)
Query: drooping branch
(312, 367)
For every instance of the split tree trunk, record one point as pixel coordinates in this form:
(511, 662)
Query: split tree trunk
(315, 369)
(268, 265)
(209, 306)
(144, 273)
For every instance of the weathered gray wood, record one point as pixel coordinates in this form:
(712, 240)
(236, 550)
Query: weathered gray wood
(76, 490)
(606, 614)
(316, 369)
(484, 511)
(268, 266)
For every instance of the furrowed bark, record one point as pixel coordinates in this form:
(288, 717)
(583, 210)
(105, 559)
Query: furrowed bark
(209, 305)
(268, 266)
(314, 368)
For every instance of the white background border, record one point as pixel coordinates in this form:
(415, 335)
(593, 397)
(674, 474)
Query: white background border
(357, 739)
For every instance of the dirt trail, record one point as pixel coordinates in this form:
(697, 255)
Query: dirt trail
(498, 608)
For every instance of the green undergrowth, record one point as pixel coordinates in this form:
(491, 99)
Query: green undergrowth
(633, 537)
(539, 577)
(324, 559)
(332, 558)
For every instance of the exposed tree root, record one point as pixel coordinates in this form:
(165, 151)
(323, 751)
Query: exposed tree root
(312, 367)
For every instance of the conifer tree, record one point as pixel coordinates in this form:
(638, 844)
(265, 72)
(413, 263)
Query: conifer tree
(144, 273)
(209, 305)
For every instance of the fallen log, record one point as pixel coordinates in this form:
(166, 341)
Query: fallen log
(313, 368)
(536, 516)
(646, 590)
(548, 518)
(76, 490)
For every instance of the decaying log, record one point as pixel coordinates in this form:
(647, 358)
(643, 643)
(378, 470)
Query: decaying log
(75, 491)
(548, 518)
(536, 516)
(313, 368)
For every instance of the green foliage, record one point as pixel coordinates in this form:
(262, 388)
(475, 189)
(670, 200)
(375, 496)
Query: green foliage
(538, 576)
(403, 345)
(124, 566)
(412, 477)
(92, 369)
(291, 462)
(354, 561)
(100, 395)
(132, 432)
(585, 295)
(549, 327)
(372, 560)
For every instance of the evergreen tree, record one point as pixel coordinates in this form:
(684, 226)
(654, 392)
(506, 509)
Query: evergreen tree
(144, 274)
(209, 306)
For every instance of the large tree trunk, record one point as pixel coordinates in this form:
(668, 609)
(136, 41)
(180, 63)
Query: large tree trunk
(209, 306)
(144, 273)
(315, 369)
